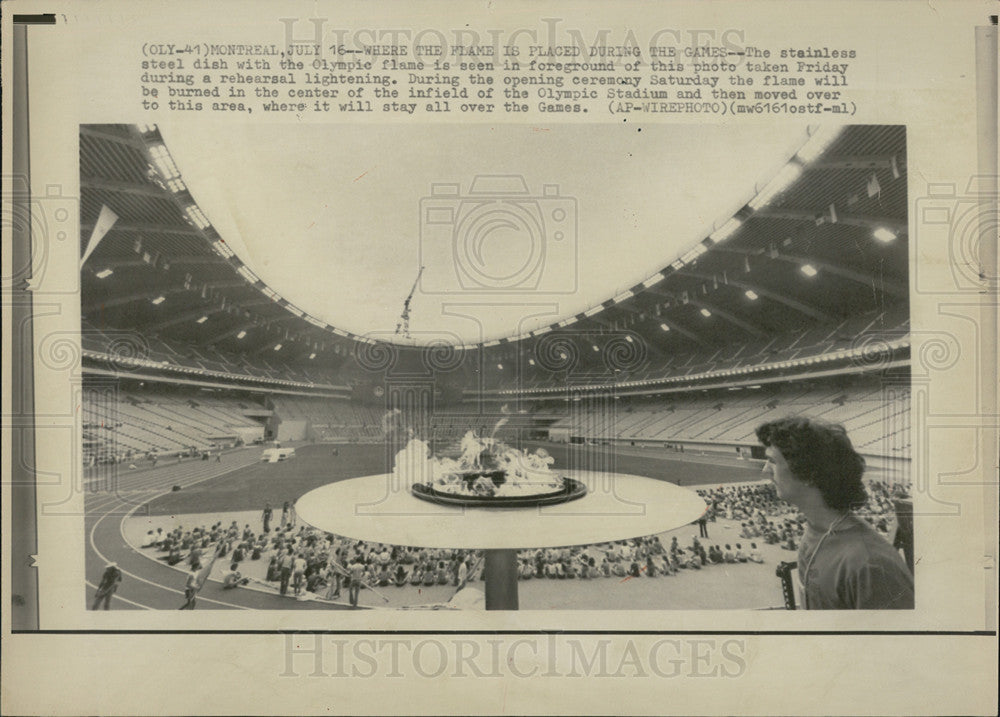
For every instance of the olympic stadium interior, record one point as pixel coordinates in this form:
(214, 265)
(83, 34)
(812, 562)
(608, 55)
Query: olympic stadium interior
(797, 305)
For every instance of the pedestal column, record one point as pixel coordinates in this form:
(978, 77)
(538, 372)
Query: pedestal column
(500, 572)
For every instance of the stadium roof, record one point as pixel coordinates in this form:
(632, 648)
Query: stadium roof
(814, 234)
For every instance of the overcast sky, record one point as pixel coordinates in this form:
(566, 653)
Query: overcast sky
(338, 219)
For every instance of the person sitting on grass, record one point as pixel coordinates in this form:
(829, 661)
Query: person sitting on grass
(195, 555)
(232, 578)
(667, 568)
(549, 570)
(526, 571)
(399, 577)
(317, 579)
(273, 572)
(755, 555)
(605, 568)
(569, 568)
(651, 569)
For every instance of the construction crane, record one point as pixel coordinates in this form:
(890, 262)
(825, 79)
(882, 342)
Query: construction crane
(403, 327)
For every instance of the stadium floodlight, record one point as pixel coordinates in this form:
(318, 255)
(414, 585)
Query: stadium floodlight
(163, 163)
(241, 334)
(751, 294)
(567, 322)
(884, 235)
(159, 300)
(147, 128)
(222, 249)
(105, 273)
(808, 269)
(196, 216)
(779, 183)
(202, 320)
(818, 141)
(664, 327)
(247, 274)
(695, 251)
(595, 310)
(627, 294)
(653, 280)
(706, 313)
(726, 230)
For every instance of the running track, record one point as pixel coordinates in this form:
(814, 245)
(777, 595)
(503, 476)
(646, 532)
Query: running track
(150, 584)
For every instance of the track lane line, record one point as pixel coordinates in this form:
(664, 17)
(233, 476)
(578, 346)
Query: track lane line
(116, 596)
(161, 586)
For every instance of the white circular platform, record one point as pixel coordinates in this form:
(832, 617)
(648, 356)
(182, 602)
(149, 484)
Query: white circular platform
(379, 509)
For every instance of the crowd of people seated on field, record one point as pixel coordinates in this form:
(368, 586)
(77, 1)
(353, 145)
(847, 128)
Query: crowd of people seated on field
(765, 516)
(761, 513)
(880, 510)
(324, 563)
(300, 558)
(303, 559)
(638, 557)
